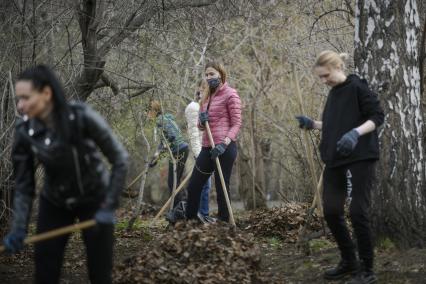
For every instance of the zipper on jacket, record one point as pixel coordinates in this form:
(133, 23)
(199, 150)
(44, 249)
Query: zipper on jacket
(77, 170)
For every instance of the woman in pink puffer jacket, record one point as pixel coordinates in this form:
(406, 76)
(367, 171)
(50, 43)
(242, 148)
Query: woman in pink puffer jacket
(221, 107)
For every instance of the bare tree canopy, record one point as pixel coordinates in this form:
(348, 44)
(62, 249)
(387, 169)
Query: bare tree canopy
(120, 55)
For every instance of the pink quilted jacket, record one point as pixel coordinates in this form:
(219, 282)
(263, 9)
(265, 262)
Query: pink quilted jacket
(224, 115)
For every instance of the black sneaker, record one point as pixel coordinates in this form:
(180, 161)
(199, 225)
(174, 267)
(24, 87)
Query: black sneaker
(201, 218)
(209, 219)
(363, 277)
(343, 269)
(206, 219)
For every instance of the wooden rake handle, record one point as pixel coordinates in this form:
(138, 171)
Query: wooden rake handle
(57, 232)
(222, 180)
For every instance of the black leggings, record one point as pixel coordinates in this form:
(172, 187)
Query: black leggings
(181, 156)
(204, 166)
(358, 179)
(49, 254)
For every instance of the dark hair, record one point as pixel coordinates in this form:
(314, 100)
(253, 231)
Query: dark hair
(42, 76)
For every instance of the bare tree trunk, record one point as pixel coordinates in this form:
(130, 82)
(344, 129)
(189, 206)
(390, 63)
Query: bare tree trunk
(247, 189)
(268, 170)
(422, 58)
(253, 154)
(95, 51)
(48, 49)
(138, 209)
(386, 54)
(7, 122)
(422, 50)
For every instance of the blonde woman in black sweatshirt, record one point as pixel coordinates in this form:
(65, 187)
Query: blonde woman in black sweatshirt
(349, 148)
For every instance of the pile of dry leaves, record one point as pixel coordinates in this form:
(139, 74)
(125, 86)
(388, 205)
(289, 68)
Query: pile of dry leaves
(281, 222)
(192, 253)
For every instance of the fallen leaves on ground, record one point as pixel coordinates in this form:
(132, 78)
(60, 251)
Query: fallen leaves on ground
(282, 222)
(149, 210)
(193, 253)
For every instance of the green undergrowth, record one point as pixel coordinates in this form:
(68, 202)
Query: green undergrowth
(140, 230)
(317, 245)
(274, 242)
(138, 224)
(385, 244)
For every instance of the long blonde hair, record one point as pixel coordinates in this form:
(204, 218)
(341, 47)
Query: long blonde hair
(329, 58)
(202, 83)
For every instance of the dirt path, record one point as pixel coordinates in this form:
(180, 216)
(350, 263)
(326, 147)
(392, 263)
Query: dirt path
(391, 266)
(280, 258)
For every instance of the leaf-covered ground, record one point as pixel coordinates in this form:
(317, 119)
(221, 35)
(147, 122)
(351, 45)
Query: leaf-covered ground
(261, 250)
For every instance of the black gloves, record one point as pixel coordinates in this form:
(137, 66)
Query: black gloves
(204, 117)
(305, 122)
(218, 150)
(347, 143)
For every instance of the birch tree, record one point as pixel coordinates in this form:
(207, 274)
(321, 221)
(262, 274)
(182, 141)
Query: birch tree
(386, 54)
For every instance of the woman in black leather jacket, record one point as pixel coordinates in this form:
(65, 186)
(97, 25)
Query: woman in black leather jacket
(64, 138)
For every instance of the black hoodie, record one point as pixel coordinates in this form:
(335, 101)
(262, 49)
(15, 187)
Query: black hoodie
(348, 106)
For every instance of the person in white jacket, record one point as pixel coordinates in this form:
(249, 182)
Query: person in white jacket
(195, 136)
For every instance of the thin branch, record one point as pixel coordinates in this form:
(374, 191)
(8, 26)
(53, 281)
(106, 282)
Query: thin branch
(179, 4)
(323, 15)
(134, 22)
(107, 80)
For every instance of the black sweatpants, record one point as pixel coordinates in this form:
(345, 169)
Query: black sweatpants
(204, 167)
(181, 156)
(357, 179)
(49, 254)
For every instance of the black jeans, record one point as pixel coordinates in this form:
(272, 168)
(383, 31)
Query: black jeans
(181, 156)
(356, 178)
(204, 166)
(49, 254)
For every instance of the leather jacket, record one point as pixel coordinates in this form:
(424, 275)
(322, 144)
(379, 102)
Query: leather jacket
(74, 171)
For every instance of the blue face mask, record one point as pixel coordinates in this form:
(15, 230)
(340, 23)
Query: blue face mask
(214, 82)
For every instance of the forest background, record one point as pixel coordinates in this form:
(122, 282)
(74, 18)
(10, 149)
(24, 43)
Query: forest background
(120, 55)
